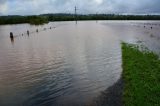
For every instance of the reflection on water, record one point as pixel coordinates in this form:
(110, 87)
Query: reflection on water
(67, 65)
(12, 40)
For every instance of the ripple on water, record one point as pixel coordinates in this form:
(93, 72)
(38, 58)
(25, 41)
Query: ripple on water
(68, 66)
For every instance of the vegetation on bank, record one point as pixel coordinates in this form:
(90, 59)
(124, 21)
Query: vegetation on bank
(37, 20)
(71, 17)
(33, 20)
(141, 74)
(44, 18)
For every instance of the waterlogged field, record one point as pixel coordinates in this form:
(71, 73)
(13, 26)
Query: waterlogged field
(65, 63)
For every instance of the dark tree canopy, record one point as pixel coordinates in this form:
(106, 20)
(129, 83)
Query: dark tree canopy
(45, 18)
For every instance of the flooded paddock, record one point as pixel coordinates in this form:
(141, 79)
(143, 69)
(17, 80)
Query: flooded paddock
(64, 63)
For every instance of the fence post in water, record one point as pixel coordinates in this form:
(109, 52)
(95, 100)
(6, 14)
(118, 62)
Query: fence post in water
(151, 27)
(27, 32)
(11, 35)
(37, 30)
(50, 27)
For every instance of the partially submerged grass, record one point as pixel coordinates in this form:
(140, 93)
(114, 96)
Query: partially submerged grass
(141, 74)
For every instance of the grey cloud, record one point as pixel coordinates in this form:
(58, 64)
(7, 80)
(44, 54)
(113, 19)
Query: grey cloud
(25, 7)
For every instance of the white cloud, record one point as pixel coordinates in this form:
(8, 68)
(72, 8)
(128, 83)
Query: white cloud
(99, 1)
(3, 7)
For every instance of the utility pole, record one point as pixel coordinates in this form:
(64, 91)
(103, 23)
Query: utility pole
(96, 17)
(76, 14)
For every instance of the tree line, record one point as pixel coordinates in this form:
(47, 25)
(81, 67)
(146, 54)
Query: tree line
(33, 20)
(45, 18)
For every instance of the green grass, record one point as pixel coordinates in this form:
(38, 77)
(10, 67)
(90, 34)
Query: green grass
(141, 74)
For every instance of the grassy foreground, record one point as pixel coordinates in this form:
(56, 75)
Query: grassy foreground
(141, 74)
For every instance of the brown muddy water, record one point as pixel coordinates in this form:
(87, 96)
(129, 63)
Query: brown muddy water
(69, 64)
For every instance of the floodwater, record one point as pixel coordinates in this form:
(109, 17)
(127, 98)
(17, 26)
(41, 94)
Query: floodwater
(69, 64)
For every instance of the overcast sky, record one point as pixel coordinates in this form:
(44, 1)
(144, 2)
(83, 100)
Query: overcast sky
(35, 7)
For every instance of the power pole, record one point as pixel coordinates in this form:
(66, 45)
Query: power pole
(96, 17)
(76, 14)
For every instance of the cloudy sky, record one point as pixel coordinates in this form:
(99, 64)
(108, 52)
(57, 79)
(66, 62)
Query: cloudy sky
(30, 7)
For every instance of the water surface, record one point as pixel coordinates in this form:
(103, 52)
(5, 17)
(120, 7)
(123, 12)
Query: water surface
(70, 64)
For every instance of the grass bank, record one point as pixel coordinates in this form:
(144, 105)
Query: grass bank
(141, 74)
